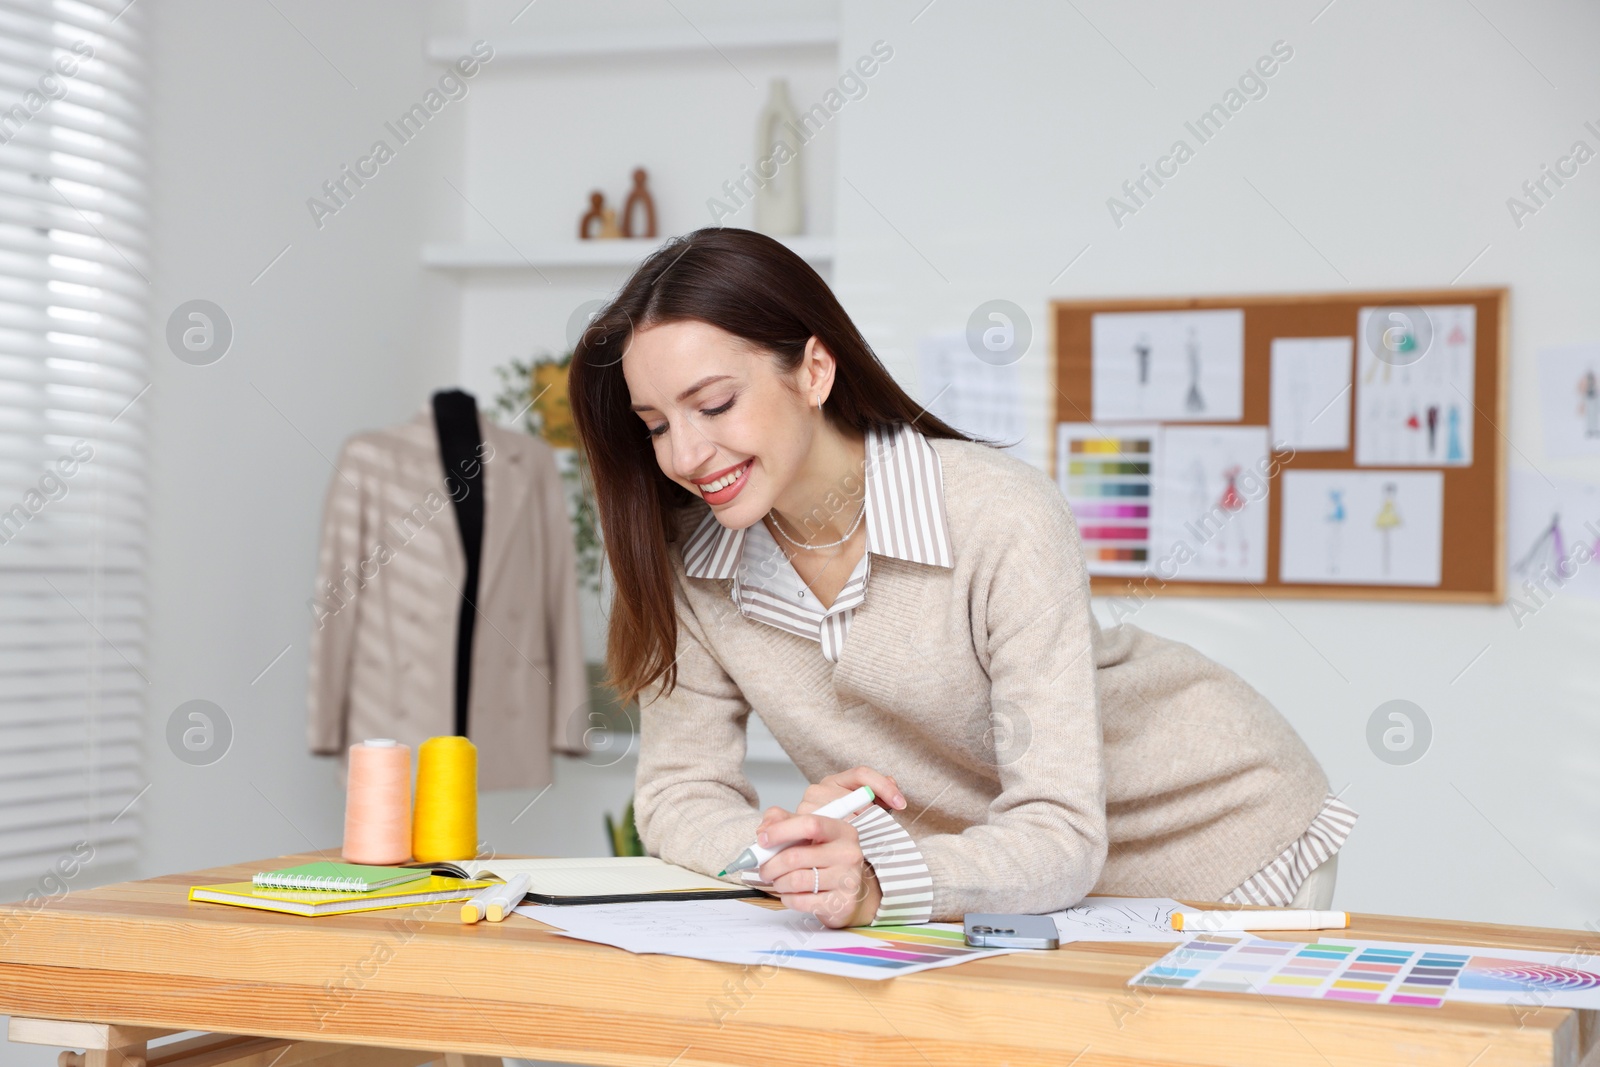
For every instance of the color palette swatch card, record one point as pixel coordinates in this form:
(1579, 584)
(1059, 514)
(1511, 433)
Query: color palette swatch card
(1376, 972)
(1109, 479)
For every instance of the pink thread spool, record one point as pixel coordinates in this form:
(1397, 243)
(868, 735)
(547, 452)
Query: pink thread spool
(377, 808)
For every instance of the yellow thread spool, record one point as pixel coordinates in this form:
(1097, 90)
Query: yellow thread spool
(445, 823)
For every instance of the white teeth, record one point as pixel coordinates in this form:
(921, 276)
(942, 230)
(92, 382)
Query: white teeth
(722, 483)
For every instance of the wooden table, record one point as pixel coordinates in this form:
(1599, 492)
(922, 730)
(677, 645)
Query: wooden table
(121, 964)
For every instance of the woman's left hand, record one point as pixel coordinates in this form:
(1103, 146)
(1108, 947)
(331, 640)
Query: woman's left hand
(824, 873)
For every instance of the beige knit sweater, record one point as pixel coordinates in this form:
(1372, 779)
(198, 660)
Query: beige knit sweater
(1042, 758)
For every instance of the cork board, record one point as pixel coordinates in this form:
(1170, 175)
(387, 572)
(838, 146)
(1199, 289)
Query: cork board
(1471, 563)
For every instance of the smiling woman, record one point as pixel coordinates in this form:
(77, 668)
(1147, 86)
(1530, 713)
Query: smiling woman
(906, 609)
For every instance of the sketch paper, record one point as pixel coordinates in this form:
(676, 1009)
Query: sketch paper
(1378, 972)
(1120, 919)
(1107, 475)
(755, 936)
(1362, 527)
(982, 399)
(1553, 539)
(1311, 393)
(1569, 400)
(1212, 503)
(1420, 414)
(1169, 365)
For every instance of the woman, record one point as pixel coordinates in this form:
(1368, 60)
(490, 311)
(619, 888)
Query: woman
(790, 534)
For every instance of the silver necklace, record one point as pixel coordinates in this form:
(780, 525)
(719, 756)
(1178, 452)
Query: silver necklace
(831, 544)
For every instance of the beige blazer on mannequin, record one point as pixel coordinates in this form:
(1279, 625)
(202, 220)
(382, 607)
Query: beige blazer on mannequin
(388, 593)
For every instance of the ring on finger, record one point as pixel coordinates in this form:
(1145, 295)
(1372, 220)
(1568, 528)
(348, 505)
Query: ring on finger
(816, 880)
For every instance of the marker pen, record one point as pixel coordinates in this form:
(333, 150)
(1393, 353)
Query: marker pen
(849, 804)
(1282, 919)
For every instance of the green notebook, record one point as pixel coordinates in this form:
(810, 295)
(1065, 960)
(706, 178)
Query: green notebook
(337, 877)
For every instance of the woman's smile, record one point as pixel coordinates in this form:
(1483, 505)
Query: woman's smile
(725, 485)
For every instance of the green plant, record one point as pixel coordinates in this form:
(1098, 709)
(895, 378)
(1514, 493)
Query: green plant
(533, 392)
(624, 833)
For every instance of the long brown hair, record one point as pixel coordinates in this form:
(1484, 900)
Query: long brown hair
(755, 288)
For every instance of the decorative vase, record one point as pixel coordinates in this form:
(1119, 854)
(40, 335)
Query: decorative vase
(780, 196)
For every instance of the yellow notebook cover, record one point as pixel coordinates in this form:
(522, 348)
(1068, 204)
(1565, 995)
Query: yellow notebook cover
(431, 890)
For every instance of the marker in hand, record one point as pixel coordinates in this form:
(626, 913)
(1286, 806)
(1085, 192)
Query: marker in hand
(849, 804)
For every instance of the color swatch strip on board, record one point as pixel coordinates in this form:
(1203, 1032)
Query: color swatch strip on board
(1108, 478)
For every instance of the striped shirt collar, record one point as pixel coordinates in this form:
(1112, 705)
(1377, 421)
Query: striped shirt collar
(905, 509)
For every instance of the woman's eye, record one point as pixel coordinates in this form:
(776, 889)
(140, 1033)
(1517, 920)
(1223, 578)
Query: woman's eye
(720, 408)
(657, 431)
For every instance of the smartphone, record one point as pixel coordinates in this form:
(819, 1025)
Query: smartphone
(1012, 931)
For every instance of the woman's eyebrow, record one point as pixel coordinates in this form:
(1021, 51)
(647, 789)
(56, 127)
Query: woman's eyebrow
(687, 393)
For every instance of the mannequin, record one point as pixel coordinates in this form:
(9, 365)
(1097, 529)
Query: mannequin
(455, 418)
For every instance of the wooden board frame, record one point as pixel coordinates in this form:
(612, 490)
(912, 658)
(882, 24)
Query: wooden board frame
(1472, 567)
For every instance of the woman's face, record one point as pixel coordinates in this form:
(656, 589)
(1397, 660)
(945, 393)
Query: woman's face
(724, 421)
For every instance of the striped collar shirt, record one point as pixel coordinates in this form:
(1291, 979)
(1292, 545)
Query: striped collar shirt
(905, 519)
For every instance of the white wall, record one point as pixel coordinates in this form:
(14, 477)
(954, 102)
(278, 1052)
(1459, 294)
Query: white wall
(1383, 152)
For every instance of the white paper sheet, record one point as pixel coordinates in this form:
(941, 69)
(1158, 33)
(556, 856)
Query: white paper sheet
(1311, 390)
(1108, 476)
(1169, 365)
(1553, 539)
(1120, 919)
(1212, 502)
(735, 931)
(1362, 527)
(979, 398)
(1419, 414)
(1569, 400)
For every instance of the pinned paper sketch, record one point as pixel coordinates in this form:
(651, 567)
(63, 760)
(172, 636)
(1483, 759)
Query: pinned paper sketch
(1108, 479)
(1569, 400)
(1414, 386)
(1119, 919)
(1554, 538)
(1212, 502)
(1311, 393)
(1362, 527)
(981, 398)
(1173, 365)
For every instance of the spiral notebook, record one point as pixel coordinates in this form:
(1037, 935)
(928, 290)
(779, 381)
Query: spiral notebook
(336, 877)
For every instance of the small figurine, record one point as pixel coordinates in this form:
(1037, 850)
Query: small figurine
(639, 196)
(600, 213)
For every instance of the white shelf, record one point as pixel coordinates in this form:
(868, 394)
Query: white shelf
(673, 40)
(566, 255)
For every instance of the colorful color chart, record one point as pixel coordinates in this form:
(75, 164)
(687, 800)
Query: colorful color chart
(1376, 972)
(902, 946)
(1108, 480)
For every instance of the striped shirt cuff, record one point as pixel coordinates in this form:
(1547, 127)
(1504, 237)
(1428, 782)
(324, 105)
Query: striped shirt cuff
(902, 872)
(1278, 882)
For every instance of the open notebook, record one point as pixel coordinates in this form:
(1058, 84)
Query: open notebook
(597, 880)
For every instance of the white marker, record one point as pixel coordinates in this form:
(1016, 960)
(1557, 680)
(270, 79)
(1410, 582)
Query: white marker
(1282, 919)
(493, 902)
(849, 804)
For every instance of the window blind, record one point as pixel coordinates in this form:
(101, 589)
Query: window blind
(73, 295)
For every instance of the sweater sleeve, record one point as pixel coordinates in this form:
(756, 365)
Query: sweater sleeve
(692, 802)
(1044, 841)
